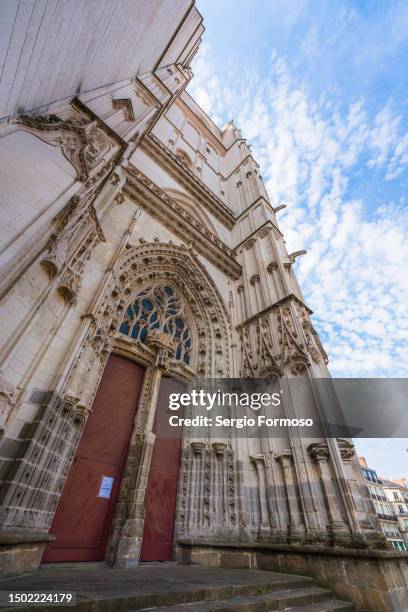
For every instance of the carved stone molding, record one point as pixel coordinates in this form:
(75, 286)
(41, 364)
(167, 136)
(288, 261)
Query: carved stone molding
(347, 450)
(319, 451)
(271, 267)
(158, 203)
(198, 447)
(163, 345)
(125, 105)
(83, 140)
(219, 449)
(188, 178)
(285, 458)
(8, 397)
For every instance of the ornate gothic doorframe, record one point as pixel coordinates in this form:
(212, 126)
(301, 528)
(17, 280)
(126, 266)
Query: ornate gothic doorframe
(168, 315)
(61, 421)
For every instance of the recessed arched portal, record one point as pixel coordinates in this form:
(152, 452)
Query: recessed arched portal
(155, 328)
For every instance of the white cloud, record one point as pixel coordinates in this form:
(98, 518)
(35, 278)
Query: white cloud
(355, 274)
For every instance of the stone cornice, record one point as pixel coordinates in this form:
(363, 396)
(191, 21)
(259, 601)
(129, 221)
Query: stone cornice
(171, 163)
(252, 235)
(289, 298)
(337, 551)
(160, 205)
(259, 199)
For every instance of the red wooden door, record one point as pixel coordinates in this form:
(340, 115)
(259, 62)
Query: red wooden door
(84, 514)
(161, 492)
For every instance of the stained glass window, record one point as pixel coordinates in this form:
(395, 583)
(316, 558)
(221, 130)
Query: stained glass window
(158, 308)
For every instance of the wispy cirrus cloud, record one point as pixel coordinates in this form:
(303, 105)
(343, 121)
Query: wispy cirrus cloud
(328, 160)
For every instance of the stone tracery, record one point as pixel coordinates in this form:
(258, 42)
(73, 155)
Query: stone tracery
(158, 309)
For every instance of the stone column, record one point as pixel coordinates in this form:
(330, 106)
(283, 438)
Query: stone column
(130, 537)
(218, 485)
(338, 529)
(242, 304)
(296, 527)
(196, 489)
(259, 462)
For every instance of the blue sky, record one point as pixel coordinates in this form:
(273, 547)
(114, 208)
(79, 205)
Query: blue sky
(319, 89)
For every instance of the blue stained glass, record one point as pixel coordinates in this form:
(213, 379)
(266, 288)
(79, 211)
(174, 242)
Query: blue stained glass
(124, 328)
(147, 304)
(146, 314)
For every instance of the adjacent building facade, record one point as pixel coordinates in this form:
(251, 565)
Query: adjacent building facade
(140, 253)
(384, 501)
(396, 492)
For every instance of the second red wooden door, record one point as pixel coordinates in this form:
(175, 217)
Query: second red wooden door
(84, 514)
(161, 492)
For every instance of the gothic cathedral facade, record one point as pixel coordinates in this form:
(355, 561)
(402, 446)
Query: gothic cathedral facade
(141, 252)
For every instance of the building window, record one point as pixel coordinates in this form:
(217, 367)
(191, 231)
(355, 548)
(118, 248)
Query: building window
(157, 308)
(396, 495)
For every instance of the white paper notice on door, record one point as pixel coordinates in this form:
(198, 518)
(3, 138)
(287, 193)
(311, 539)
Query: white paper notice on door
(105, 489)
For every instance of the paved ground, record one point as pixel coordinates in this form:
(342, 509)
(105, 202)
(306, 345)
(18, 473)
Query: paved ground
(147, 585)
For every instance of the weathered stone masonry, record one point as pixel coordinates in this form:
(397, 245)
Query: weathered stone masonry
(128, 187)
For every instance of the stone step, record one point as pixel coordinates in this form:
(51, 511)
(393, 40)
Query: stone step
(169, 592)
(293, 599)
(165, 587)
(334, 605)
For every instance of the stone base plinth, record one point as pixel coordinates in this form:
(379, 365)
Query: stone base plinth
(21, 552)
(376, 581)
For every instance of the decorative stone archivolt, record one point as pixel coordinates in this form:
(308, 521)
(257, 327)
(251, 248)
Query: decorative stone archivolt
(192, 208)
(155, 277)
